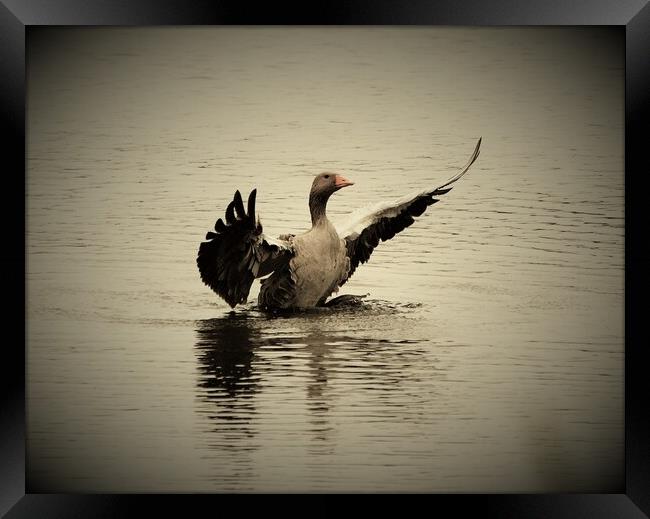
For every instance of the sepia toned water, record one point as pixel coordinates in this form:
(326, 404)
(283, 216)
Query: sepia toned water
(488, 355)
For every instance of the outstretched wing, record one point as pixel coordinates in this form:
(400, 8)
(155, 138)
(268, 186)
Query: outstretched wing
(238, 252)
(366, 227)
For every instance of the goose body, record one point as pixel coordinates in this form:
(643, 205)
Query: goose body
(317, 269)
(303, 270)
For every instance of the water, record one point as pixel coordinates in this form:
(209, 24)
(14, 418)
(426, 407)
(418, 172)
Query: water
(488, 355)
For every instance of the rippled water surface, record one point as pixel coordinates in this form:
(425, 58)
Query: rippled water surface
(488, 353)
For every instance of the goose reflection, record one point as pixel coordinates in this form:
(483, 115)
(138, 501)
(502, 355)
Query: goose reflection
(255, 370)
(233, 353)
(318, 397)
(225, 351)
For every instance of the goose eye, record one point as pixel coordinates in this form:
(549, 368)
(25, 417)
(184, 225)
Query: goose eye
(327, 176)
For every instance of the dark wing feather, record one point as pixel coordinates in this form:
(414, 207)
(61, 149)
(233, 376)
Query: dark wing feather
(238, 252)
(367, 227)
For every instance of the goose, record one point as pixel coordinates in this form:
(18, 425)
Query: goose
(302, 271)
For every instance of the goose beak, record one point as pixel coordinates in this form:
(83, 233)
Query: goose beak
(340, 182)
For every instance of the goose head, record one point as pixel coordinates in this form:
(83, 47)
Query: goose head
(327, 183)
(321, 189)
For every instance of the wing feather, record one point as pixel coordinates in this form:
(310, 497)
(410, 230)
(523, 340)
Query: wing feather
(380, 222)
(238, 252)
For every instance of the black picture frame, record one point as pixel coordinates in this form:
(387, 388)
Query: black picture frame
(633, 16)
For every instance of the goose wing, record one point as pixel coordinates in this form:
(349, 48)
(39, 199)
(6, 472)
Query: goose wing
(237, 252)
(366, 227)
